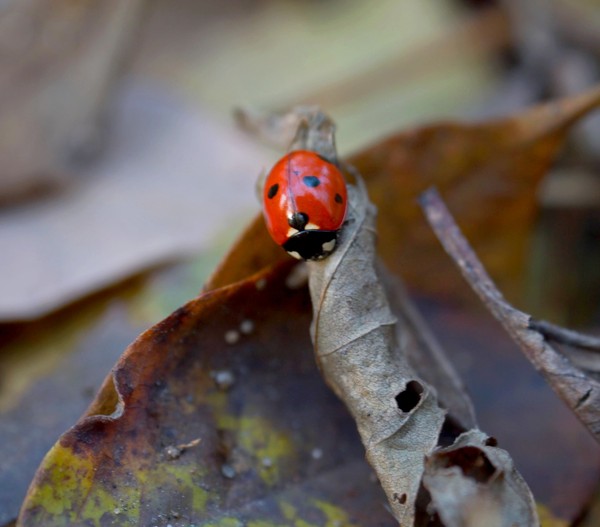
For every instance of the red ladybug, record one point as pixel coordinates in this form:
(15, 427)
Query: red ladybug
(304, 204)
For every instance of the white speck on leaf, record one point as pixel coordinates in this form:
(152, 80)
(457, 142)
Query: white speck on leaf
(232, 336)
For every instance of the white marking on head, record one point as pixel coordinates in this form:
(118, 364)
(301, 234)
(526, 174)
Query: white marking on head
(328, 246)
(295, 255)
(311, 227)
(291, 231)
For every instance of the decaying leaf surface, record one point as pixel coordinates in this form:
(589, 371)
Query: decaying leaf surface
(353, 333)
(473, 483)
(488, 173)
(513, 405)
(174, 386)
(396, 412)
(269, 450)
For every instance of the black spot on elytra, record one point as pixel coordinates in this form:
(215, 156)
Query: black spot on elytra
(298, 220)
(273, 191)
(338, 198)
(311, 181)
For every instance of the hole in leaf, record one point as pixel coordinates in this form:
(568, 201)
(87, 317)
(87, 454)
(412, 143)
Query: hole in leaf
(491, 441)
(410, 396)
(472, 461)
(402, 498)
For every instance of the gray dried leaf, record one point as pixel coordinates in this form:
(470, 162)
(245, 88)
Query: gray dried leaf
(354, 336)
(474, 483)
(299, 125)
(425, 354)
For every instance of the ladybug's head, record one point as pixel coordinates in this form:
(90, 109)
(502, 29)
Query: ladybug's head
(311, 244)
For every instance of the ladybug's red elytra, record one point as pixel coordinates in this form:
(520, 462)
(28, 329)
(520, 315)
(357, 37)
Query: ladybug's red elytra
(304, 204)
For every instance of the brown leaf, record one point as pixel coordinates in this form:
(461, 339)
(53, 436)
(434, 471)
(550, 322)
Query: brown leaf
(274, 444)
(488, 173)
(175, 359)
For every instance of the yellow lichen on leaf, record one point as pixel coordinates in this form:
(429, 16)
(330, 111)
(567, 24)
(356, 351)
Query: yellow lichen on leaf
(71, 476)
(336, 516)
(271, 448)
(547, 518)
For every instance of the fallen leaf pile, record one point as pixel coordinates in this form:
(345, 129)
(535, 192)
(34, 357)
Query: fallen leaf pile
(219, 416)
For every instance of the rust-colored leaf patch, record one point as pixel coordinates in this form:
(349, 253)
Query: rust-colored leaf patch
(205, 427)
(487, 172)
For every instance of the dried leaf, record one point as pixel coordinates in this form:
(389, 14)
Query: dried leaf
(353, 333)
(579, 391)
(473, 483)
(107, 228)
(59, 68)
(488, 171)
(425, 354)
(515, 405)
(274, 444)
(396, 412)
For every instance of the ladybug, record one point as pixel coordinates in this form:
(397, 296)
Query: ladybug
(304, 204)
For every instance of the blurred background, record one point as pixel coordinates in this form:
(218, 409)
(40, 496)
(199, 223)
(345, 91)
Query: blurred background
(119, 155)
